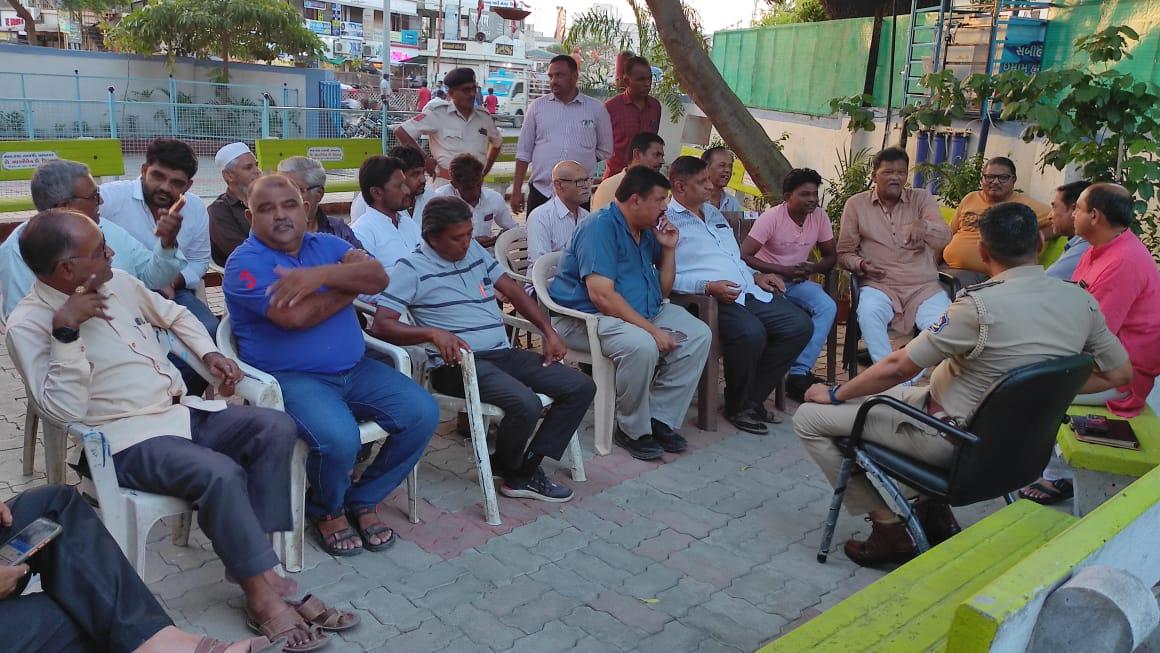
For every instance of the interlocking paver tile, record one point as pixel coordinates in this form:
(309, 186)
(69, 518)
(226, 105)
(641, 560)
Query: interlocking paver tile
(711, 550)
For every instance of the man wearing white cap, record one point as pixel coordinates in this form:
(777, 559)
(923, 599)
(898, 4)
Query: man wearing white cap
(228, 225)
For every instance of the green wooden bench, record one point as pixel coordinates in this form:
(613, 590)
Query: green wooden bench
(507, 154)
(985, 588)
(19, 159)
(1101, 472)
(911, 608)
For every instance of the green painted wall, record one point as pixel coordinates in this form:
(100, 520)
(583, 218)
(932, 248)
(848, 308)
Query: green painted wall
(795, 68)
(799, 68)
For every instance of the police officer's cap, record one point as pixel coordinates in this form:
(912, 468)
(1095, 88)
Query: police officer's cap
(459, 76)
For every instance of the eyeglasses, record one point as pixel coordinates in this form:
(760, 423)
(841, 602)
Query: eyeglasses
(582, 182)
(94, 197)
(999, 178)
(102, 252)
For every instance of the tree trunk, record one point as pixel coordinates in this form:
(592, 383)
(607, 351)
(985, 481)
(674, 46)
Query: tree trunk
(703, 82)
(29, 24)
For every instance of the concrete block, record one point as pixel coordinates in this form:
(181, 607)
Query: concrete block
(1099, 609)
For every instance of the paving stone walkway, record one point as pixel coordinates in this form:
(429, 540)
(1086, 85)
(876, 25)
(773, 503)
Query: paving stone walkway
(711, 551)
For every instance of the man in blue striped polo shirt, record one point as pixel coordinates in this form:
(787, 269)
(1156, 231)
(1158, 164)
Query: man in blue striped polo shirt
(448, 285)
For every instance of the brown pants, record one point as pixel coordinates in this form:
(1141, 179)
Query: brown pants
(818, 424)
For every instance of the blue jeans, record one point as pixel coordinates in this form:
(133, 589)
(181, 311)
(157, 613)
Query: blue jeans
(813, 299)
(328, 408)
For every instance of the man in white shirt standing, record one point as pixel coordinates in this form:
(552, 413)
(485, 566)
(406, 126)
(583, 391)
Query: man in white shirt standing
(136, 205)
(550, 226)
(488, 207)
(564, 125)
(386, 231)
(761, 332)
(68, 185)
(454, 128)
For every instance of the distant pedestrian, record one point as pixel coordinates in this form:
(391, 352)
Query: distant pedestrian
(424, 96)
(491, 102)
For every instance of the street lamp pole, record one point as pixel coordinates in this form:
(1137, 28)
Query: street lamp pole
(387, 37)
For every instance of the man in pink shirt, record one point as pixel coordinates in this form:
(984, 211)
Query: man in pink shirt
(491, 102)
(780, 242)
(1120, 272)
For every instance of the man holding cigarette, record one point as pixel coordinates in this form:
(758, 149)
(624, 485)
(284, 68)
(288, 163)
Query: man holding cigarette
(162, 192)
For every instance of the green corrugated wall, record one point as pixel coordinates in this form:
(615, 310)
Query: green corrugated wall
(799, 68)
(795, 68)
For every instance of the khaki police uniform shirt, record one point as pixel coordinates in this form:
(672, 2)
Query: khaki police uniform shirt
(1020, 317)
(451, 134)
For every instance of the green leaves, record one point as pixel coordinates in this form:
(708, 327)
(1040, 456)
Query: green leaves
(856, 107)
(256, 30)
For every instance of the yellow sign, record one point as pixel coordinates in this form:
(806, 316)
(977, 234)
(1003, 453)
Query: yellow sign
(332, 153)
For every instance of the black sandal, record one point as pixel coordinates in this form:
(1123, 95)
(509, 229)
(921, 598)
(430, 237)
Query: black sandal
(374, 530)
(329, 543)
(1058, 490)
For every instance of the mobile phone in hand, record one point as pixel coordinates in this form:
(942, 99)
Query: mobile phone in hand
(28, 541)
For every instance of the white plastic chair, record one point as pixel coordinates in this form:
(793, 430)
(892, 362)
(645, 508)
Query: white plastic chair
(511, 251)
(479, 415)
(129, 515)
(268, 394)
(603, 368)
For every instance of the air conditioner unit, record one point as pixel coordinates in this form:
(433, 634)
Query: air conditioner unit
(340, 47)
(368, 51)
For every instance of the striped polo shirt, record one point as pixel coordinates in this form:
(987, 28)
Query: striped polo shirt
(456, 296)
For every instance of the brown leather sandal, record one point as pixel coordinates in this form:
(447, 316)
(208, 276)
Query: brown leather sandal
(330, 542)
(256, 645)
(282, 624)
(374, 530)
(317, 613)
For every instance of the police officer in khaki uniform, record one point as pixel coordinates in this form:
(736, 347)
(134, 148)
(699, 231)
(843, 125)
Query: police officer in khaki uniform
(454, 128)
(1020, 317)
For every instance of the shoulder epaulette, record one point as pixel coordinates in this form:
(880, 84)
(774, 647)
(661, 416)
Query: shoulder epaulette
(985, 284)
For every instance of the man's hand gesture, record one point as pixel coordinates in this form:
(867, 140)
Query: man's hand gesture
(770, 282)
(224, 369)
(724, 291)
(169, 224)
(294, 285)
(87, 302)
(666, 234)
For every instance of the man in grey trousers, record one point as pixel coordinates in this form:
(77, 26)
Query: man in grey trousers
(621, 265)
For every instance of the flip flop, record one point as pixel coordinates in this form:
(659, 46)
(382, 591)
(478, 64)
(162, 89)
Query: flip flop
(1058, 490)
(280, 625)
(317, 613)
(374, 530)
(256, 645)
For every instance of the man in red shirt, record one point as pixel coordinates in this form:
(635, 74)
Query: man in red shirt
(1120, 272)
(491, 102)
(632, 112)
(424, 96)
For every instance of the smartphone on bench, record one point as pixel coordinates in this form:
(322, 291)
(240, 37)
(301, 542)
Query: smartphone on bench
(1097, 429)
(27, 542)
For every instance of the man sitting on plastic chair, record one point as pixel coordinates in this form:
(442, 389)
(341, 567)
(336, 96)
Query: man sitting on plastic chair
(449, 286)
(290, 294)
(1020, 317)
(84, 340)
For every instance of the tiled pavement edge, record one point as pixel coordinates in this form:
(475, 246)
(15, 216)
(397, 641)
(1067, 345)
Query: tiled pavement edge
(712, 551)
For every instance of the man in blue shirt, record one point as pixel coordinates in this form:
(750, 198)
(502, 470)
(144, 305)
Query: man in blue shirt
(1063, 224)
(761, 332)
(449, 285)
(621, 265)
(290, 295)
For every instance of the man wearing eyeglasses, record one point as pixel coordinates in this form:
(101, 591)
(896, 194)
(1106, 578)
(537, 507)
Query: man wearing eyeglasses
(228, 225)
(310, 178)
(551, 225)
(997, 186)
(68, 185)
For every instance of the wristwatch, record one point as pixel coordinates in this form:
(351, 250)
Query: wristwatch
(65, 334)
(834, 395)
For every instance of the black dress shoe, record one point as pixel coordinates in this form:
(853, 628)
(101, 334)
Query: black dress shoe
(670, 440)
(797, 384)
(748, 421)
(642, 448)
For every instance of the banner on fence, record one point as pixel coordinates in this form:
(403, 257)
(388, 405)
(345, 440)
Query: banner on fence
(19, 159)
(332, 153)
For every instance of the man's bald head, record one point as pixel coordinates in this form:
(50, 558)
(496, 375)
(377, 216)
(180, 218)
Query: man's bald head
(571, 183)
(273, 180)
